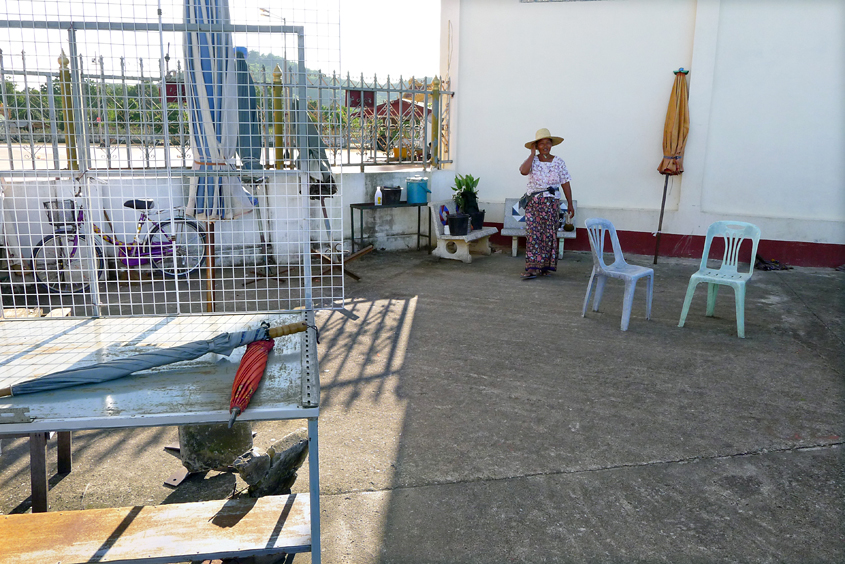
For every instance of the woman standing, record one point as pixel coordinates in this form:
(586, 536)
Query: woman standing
(545, 173)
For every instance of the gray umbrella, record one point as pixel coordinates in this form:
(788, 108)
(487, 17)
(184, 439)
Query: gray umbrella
(314, 160)
(223, 344)
(249, 132)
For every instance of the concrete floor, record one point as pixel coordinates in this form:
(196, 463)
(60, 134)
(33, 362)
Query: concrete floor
(469, 416)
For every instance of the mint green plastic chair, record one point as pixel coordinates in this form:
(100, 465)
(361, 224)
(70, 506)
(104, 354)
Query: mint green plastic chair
(734, 233)
(629, 273)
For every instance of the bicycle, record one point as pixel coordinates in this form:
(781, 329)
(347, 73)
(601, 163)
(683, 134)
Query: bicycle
(66, 262)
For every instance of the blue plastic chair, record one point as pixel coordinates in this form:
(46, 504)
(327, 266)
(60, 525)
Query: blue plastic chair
(734, 233)
(629, 273)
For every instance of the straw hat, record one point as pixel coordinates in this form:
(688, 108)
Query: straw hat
(544, 134)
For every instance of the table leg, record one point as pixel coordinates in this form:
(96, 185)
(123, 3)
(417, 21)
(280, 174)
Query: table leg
(65, 461)
(314, 486)
(419, 225)
(38, 471)
(429, 228)
(361, 223)
(352, 227)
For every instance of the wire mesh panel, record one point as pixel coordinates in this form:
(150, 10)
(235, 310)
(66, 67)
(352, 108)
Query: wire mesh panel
(168, 157)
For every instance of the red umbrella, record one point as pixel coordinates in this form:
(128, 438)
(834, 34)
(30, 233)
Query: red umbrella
(249, 374)
(251, 369)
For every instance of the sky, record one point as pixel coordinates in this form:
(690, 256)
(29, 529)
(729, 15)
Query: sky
(376, 37)
(390, 37)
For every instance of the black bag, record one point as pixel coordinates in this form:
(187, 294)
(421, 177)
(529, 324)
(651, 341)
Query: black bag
(523, 201)
(321, 188)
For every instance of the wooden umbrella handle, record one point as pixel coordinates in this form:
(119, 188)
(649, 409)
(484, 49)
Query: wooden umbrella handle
(288, 329)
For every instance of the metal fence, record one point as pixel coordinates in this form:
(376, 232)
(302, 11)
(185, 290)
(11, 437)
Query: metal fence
(361, 123)
(133, 182)
(389, 123)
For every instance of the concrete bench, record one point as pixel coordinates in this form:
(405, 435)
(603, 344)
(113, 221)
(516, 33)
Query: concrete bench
(514, 224)
(178, 532)
(459, 247)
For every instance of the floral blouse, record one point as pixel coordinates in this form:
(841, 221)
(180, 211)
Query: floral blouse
(543, 175)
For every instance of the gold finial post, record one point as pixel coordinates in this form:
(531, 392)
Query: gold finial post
(435, 123)
(278, 118)
(67, 107)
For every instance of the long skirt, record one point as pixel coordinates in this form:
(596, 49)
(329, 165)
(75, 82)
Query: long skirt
(541, 219)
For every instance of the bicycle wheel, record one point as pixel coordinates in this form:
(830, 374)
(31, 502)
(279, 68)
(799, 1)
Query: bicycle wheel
(67, 263)
(176, 247)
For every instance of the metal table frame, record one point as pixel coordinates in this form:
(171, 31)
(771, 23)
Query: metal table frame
(373, 207)
(200, 388)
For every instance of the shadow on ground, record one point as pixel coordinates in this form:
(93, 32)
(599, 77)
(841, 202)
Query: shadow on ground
(469, 416)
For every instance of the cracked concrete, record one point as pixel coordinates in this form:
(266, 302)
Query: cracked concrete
(469, 416)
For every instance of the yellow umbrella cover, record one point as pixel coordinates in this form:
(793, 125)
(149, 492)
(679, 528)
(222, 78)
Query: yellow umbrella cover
(676, 128)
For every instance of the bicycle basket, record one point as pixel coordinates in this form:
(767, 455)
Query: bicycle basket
(60, 213)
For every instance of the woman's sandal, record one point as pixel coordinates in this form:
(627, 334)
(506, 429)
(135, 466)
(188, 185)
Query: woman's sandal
(529, 275)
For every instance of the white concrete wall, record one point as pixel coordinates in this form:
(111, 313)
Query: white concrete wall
(25, 221)
(391, 229)
(766, 105)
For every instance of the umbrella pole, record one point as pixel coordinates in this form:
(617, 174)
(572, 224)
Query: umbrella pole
(209, 269)
(660, 222)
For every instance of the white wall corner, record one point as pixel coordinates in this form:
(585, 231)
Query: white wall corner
(701, 75)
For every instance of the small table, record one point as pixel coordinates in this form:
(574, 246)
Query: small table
(373, 207)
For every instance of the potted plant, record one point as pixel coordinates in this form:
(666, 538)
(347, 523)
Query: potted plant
(466, 199)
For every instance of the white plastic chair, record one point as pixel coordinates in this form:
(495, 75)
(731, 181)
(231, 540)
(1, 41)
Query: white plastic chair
(734, 233)
(629, 273)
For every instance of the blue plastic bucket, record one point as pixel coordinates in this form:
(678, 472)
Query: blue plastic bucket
(418, 190)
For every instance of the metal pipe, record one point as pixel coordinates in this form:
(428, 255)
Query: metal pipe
(266, 115)
(314, 487)
(305, 165)
(134, 26)
(145, 131)
(183, 150)
(28, 111)
(362, 125)
(6, 126)
(660, 222)
(104, 124)
(126, 113)
(54, 132)
(83, 160)
(435, 122)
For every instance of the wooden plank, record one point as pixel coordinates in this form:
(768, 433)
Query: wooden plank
(358, 254)
(21, 313)
(59, 312)
(162, 533)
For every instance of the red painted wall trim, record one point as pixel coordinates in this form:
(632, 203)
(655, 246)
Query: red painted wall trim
(795, 253)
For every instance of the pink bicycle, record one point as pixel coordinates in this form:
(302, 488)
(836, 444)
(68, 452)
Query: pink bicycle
(66, 262)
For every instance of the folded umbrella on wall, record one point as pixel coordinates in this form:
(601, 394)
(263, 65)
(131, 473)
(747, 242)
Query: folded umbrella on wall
(211, 85)
(223, 344)
(212, 97)
(675, 130)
